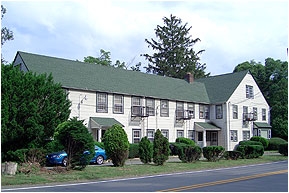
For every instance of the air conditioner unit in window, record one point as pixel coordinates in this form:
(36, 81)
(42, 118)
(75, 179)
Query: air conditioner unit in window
(184, 114)
(139, 111)
(249, 117)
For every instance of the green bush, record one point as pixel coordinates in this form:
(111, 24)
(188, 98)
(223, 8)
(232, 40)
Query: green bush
(232, 155)
(161, 149)
(99, 144)
(188, 153)
(116, 145)
(185, 140)
(263, 140)
(213, 153)
(250, 151)
(133, 150)
(250, 143)
(173, 149)
(145, 150)
(283, 149)
(33, 155)
(275, 142)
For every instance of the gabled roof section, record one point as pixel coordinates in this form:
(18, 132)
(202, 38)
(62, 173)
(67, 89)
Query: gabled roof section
(80, 75)
(220, 88)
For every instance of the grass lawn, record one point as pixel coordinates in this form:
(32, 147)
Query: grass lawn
(91, 172)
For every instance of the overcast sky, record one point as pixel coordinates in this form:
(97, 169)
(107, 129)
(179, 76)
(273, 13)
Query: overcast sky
(231, 32)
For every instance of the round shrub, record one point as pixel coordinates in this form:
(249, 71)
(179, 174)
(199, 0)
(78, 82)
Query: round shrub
(213, 153)
(145, 150)
(116, 145)
(275, 142)
(283, 149)
(264, 141)
(250, 151)
(133, 150)
(250, 143)
(185, 140)
(188, 153)
(232, 155)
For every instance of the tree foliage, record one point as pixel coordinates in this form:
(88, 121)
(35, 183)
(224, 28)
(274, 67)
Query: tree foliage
(31, 108)
(145, 150)
(161, 150)
(6, 34)
(116, 145)
(174, 55)
(272, 79)
(76, 139)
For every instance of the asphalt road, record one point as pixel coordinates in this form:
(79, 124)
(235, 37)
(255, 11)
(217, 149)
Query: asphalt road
(269, 177)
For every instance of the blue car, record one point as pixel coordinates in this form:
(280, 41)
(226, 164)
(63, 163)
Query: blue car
(60, 158)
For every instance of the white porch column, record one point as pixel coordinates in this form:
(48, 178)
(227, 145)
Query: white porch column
(99, 135)
(204, 138)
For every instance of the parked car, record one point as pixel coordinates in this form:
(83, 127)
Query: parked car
(60, 158)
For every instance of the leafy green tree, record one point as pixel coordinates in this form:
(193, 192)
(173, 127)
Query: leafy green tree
(116, 145)
(76, 139)
(161, 150)
(6, 34)
(272, 79)
(145, 150)
(31, 108)
(174, 55)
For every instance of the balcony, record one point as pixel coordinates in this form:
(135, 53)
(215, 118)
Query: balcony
(139, 111)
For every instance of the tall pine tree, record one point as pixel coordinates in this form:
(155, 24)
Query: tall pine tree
(174, 55)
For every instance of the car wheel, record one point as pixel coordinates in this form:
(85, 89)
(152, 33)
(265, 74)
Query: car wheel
(99, 160)
(64, 162)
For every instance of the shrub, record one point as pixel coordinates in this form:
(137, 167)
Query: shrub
(99, 144)
(133, 150)
(173, 149)
(32, 155)
(213, 153)
(264, 141)
(161, 149)
(250, 143)
(188, 153)
(232, 155)
(274, 143)
(145, 150)
(185, 140)
(251, 151)
(283, 149)
(116, 145)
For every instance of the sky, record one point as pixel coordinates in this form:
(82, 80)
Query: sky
(231, 31)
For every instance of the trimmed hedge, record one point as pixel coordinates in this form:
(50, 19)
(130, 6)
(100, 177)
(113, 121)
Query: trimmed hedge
(263, 140)
(283, 149)
(232, 155)
(250, 143)
(213, 153)
(251, 151)
(188, 153)
(133, 151)
(185, 140)
(275, 142)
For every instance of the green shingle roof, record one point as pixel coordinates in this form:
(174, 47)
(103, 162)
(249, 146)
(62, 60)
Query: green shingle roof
(105, 122)
(80, 75)
(262, 125)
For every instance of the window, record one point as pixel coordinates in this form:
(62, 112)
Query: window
(136, 106)
(219, 112)
(249, 92)
(151, 134)
(165, 133)
(255, 113)
(204, 111)
(117, 104)
(246, 135)
(164, 108)
(245, 113)
(179, 110)
(200, 136)
(150, 103)
(234, 135)
(191, 109)
(101, 102)
(191, 134)
(136, 135)
(263, 114)
(235, 111)
(180, 133)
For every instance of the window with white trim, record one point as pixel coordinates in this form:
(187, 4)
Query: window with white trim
(234, 135)
(263, 114)
(164, 108)
(191, 109)
(101, 103)
(249, 92)
(118, 104)
(204, 111)
(150, 103)
(219, 112)
(151, 134)
(191, 134)
(235, 111)
(180, 133)
(136, 135)
(246, 135)
(255, 113)
(179, 110)
(165, 133)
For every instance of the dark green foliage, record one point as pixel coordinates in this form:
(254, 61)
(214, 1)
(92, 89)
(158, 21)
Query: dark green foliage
(174, 55)
(188, 153)
(232, 155)
(249, 142)
(32, 155)
(185, 140)
(75, 138)
(264, 141)
(31, 108)
(133, 150)
(275, 142)
(173, 148)
(145, 150)
(116, 145)
(99, 144)
(250, 151)
(283, 149)
(213, 153)
(161, 149)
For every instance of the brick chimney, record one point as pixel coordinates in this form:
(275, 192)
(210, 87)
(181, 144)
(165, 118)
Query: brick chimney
(189, 77)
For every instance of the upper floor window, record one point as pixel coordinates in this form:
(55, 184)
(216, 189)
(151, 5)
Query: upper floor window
(191, 109)
(204, 111)
(219, 112)
(263, 114)
(249, 92)
(245, 113)
(164, 108)
(118, 104)
(136, 101)
(179, 110)
(235, 111)
(101, 102)
(255, 113)
(150, 104)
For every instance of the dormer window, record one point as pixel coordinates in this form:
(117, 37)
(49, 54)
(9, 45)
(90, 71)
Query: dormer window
(249, 92)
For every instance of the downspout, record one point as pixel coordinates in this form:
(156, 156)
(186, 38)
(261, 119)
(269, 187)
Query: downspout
(229, 128)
